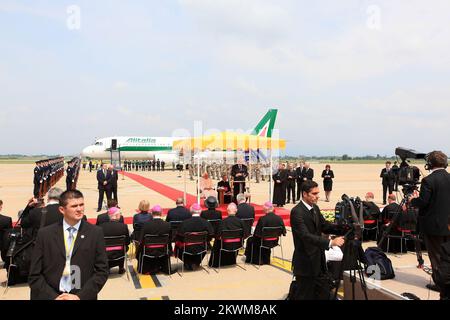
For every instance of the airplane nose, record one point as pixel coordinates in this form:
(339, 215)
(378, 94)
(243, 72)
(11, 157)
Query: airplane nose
(86, 151)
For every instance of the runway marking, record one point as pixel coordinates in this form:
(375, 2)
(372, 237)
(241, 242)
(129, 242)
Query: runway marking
(134, 277)
(146, 281)
(284, 265)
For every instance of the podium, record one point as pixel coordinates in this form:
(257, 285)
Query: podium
(221, 194)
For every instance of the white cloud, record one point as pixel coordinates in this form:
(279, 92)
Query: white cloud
(125, 111)
(120, 85)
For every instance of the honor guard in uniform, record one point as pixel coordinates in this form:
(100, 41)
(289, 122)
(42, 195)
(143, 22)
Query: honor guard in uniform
(37, 178)
(69, 176)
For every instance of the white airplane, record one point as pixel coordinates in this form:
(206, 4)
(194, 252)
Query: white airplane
(152, 148)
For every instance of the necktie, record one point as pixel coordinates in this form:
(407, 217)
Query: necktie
(66, 280)
(314, 215)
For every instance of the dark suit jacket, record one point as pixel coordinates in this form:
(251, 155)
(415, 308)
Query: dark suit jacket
(330, 173)
(299, 171)
(291, 175)
(5, 224)
(388, 177)
(113, 176)
(434, 204)
(235, 170)
(178, 214)
(48, 261)
(104, 217)
(389, 211)
(309, 253)
(245, 211)
(101, 178)
(308, 174)
(33, 219)
(112, 229)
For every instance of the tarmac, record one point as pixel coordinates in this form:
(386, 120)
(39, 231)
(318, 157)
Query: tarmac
(270, 282)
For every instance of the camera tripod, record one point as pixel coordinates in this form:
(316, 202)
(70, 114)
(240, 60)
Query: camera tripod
(352, 260)
(396, 221)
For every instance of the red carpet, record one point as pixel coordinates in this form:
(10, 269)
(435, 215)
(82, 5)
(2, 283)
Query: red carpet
(173, 194)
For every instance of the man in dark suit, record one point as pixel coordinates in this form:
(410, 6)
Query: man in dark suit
(69, 259)
(434, 208)
(155, 227)
(270, 219)
(307, 172)
(32, 220)
(388, 180)
(229, 223)
(104, 186)
(104, 217)
(5, 224)
(239, 172)
(245, 211)
(113, 174)
(179, 213)
(115, 228)
(308, 224)
(290, 183)
(299, 171)
(385, 219)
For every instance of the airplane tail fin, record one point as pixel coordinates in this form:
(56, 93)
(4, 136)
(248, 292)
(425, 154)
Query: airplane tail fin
(265, 126)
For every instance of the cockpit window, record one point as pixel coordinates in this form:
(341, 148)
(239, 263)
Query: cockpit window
(99, 143)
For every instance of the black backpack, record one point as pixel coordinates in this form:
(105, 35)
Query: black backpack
(376, 257)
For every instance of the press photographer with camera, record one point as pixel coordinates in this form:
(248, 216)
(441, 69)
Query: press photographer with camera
(433, 202)
(309, 265)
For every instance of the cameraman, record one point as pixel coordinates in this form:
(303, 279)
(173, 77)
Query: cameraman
(434, 208)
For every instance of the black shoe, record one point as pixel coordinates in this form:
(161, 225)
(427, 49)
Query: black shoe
(433, 287)
(98, 210)
(121, 270)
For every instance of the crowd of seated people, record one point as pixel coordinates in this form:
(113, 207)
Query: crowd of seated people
(150, 224)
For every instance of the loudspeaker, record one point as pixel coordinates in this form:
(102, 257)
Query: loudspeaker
(114, 144)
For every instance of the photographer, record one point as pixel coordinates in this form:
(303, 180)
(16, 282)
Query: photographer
(308, 262)
(434, 208)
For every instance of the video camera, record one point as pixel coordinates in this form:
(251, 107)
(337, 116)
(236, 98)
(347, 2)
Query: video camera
(408, 176)
(349, 214)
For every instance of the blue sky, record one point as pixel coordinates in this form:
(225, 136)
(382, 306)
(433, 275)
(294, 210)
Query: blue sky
(357, 77)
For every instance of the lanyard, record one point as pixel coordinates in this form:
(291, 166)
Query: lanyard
(69, 250)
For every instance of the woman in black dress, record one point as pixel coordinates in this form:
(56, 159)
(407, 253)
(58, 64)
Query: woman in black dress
(328, 177)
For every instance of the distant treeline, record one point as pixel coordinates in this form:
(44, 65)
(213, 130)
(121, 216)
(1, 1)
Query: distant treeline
(344, 157)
